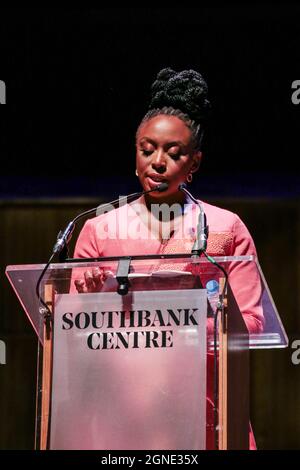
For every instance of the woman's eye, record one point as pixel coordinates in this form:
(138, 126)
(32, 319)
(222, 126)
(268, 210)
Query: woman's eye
(174, 152)
(175, 156)
(146, 152)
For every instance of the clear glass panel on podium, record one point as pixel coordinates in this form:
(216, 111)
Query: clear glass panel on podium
(135, 371)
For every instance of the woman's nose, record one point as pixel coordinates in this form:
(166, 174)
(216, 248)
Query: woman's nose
(159, 162)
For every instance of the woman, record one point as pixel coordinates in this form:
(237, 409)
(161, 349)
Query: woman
(168, 150)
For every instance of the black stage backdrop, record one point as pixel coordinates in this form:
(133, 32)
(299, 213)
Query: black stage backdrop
(77, 84)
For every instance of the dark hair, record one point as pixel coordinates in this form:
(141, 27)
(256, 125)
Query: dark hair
(184, 95)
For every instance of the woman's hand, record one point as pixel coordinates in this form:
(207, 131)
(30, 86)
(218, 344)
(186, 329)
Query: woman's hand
(93, 280)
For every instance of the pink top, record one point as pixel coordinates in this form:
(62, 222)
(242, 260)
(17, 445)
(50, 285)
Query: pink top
(121, 232)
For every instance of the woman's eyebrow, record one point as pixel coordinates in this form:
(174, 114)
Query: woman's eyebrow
(175, 142)
(147, 139)
(168, 144)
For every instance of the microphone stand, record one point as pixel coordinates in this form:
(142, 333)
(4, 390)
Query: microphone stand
(199, 247)
(63, 238)
(200, 244)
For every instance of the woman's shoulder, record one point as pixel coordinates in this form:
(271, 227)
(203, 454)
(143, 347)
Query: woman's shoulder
(105, 217)
(227, 229)
(220, 219)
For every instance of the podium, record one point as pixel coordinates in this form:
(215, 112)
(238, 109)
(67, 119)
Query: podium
(147, 360)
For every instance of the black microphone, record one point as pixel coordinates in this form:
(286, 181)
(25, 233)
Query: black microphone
(200, 244)
(64, 237)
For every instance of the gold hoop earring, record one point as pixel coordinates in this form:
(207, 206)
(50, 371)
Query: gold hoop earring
(189, 178)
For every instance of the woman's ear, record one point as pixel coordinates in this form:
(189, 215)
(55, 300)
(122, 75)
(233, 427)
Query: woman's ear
(196, 160)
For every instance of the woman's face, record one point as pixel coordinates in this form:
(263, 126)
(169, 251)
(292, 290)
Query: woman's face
(164, 153)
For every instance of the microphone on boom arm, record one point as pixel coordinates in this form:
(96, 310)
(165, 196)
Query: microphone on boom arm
(200, 244)
(61, 246)
(64, 237)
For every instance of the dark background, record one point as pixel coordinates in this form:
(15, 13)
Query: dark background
(78, 84)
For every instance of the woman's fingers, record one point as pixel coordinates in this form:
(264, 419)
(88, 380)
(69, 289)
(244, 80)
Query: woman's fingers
(80, 285)
(89, 281)
(107, 274)
(98, 278)
(93, 280)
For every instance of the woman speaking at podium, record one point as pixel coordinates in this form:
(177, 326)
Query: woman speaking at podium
(169, 150)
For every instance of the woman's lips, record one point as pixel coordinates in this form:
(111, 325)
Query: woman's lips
(153, 181)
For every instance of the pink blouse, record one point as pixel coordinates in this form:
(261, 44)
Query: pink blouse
(122, 232)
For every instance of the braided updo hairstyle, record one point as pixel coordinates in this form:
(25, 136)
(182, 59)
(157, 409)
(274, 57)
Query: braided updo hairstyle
(184, 95)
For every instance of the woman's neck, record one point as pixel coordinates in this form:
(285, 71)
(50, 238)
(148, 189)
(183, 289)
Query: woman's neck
(166, 209)
(179, 198)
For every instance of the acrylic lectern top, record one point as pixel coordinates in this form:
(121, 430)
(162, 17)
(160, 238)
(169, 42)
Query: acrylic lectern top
(245, 278)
